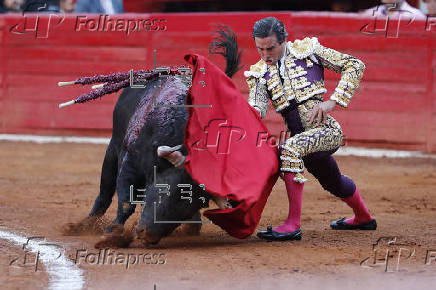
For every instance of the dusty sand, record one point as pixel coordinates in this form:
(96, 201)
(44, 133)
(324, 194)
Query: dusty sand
(44, 186)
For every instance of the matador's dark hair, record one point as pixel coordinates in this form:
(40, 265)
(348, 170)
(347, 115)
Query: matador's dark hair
(268, 26)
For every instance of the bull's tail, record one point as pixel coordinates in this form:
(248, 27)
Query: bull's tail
(225, 43)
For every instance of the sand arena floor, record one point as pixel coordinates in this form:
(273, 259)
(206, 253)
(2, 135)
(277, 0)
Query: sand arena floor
(43, 186)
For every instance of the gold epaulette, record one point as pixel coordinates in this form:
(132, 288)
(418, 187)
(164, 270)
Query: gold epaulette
(257, 70)
(303, 48)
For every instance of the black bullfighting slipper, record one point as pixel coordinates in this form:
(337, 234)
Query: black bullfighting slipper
(271, 235)
(263, 234)
(342, 225)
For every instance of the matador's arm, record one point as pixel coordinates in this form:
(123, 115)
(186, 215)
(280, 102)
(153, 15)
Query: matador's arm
(350, 68)
(258, 95)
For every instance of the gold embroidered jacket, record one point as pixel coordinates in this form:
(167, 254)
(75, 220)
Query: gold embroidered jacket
(303, 76)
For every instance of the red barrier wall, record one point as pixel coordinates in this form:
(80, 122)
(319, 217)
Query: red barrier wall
(395, 106)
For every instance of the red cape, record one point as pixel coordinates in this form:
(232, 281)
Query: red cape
(222, 148)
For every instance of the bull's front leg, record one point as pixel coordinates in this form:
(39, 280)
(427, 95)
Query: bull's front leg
(128, 176)
(107, 182)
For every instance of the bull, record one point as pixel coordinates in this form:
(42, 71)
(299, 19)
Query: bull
(148, 128)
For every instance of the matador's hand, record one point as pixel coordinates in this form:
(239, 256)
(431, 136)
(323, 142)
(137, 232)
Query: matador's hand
(320, 111)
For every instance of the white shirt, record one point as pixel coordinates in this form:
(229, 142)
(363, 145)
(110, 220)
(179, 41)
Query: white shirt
(281, 68)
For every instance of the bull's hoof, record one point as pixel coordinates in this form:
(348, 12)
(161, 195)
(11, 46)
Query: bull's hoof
(191, 229)
(137, 243)
(146, 237)
(86, 226)
(114, 230)
(122, 240)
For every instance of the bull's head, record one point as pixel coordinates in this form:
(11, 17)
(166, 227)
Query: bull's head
(174, 198)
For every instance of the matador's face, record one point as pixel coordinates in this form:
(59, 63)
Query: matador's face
(270, 49)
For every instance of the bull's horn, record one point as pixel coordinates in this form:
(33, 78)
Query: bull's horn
(67, 104)
(99, 86)
(62, 84)
(172, 154)
(166, 150)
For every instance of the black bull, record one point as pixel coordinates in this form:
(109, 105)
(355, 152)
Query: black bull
(143, 120)
(131, 164)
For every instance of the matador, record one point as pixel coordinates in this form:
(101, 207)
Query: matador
(290, 75)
